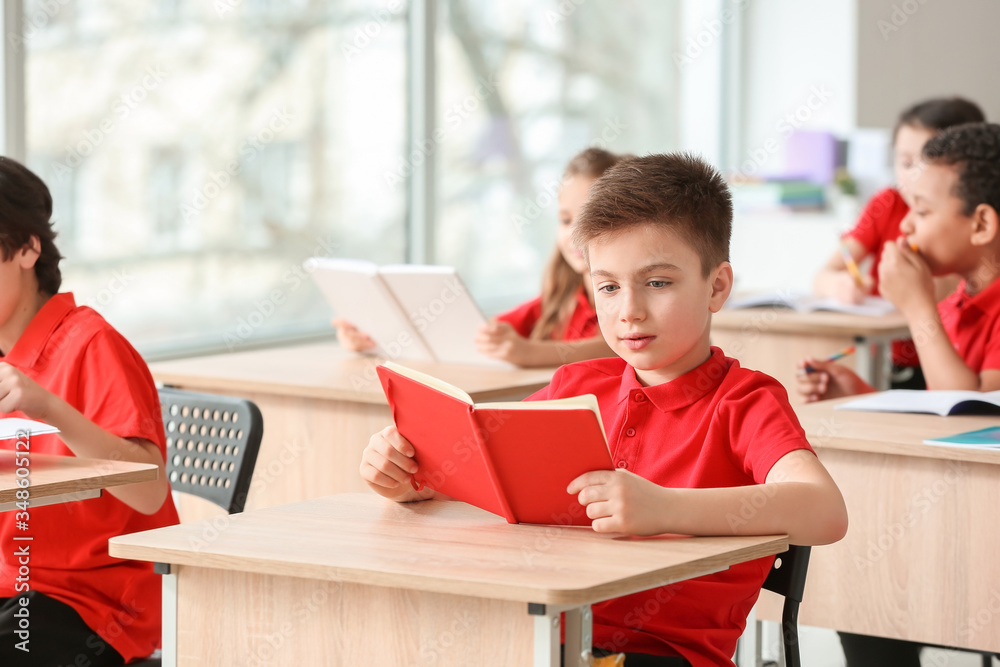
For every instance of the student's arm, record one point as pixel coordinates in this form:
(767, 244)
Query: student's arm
(499, 340)
(834, 280)
(906, 280)
(798, 498)
(387, 465)
(86, 439)
(828, 379)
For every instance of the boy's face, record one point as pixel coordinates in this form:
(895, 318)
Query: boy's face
(937, 223)
(653, 303)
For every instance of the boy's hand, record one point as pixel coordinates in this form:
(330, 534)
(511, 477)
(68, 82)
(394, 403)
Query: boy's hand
(350, 337)
(828, 379)
(619, 501)
(387, 464)
(905, 279)
(501, 341)
(18, 392)
(846, 290)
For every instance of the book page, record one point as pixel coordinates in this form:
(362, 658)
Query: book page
(917, 401)
(357, 293)
(805, 302)
(430, 381)
(10, 427)
(442, 311)
(584, 402)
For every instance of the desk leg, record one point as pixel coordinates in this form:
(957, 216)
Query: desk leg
(169, 636)
(873, 361)
(579, 635)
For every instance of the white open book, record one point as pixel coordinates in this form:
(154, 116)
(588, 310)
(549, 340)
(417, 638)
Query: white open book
(411, 311)
(942, 403)
(11, 426)
(807, 303)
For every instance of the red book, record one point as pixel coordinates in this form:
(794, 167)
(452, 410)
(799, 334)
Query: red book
(513, 459)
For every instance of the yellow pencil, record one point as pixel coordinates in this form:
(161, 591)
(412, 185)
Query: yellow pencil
(840, 355)
(852, 267)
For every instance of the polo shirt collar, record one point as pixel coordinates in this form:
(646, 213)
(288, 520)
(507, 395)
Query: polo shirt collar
(982, 301)
(679, 392)
(36, 335)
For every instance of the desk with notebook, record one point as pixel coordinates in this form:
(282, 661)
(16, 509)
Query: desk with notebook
(920, 558)
(774, 340)
(59, 479)
(366, 581)
(320, 405)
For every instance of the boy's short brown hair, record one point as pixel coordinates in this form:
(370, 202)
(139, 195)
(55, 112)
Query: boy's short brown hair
(26, 211)
(678, 191)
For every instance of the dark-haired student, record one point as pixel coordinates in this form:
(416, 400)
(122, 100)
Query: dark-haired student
(953, 226)
(694, 436)
(881, 219)
(64, 365)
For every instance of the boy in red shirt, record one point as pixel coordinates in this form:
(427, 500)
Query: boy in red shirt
(64, 365)
(698, 440)
(953, 227)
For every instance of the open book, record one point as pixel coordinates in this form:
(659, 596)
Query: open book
(411, 311)
(512, 459)
(942, 403)
(11, 426)
(808, 303)
(984, 438)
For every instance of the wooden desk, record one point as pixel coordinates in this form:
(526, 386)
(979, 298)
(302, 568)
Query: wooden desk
(920, 560)
(774, 340)
(59, 479)
(320, 405)
(355, 579)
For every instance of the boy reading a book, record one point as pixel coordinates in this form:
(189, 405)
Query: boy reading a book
(953, 227)
(62, 364)
(702, 446)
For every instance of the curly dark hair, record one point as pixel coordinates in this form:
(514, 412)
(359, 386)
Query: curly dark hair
(679, 191)
(26, 212)
(974, 149)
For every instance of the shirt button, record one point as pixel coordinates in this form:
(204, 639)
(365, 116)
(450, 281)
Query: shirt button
(630, 432)
(622, 465)
(639, 397)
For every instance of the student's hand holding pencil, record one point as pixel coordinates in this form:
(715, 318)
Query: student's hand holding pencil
(851, 286)
(905, 279)
(820, 379)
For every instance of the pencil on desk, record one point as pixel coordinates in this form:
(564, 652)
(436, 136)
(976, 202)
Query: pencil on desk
(852, 267)
(840, 355)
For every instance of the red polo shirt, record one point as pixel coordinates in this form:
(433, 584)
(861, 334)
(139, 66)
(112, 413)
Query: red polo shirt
(582, 323)
(973, 326)
(718, 425)
(879, 222)
(74, 353)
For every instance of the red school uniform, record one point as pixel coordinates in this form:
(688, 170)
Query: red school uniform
(973, 326)
(718, 425)
(74, 353)
(582, 323)
(879, 223)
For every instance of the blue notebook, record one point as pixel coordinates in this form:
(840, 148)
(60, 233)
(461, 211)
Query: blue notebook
(988, 438)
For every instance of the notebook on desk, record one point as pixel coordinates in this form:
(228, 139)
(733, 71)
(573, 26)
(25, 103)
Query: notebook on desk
(411, 311)
(808, 303)
(943, 403)
(984, 438)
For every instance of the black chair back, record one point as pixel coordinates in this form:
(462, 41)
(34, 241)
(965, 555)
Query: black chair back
(788, 578)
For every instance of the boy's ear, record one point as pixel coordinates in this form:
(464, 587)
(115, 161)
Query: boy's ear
(985, 225)
(721, 280)
(29, 254)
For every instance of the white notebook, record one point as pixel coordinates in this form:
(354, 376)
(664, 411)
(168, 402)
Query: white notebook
(10, 427)
(942, 403)
(411, 311)
(808, 303)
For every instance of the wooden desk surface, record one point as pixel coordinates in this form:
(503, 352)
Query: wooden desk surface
(326, 371)
(61, 475)
(785, 320)
(440, 547)
(891, 432)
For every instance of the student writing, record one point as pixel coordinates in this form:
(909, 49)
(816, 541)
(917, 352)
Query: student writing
(695, 437)
(64, 365)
